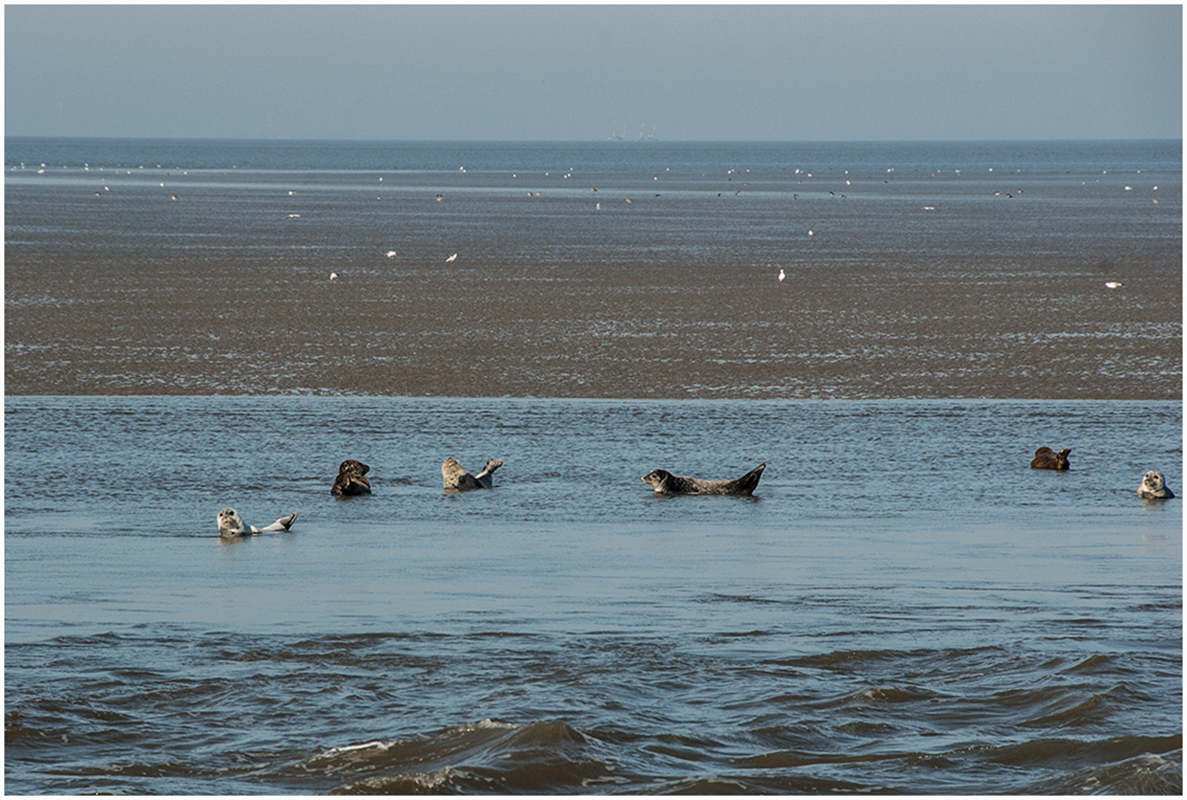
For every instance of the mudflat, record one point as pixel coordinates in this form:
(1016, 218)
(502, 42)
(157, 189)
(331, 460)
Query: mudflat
(649, 330)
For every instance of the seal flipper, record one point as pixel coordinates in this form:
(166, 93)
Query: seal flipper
(748, 482)
(282, 524)
(486, 477)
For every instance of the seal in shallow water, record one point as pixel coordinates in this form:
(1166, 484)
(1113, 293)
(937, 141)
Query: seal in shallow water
(1154, 487)
(664, 482)
(457, 479)
(230, 524)
(350, 478)
(1046, 458)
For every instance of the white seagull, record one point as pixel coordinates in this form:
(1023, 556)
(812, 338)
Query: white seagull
(333, 275)
(451, 258)
(1114, 284)
(390, 254)
(782, 276)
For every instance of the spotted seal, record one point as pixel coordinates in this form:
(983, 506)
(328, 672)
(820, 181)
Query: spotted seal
(1153, 487)
(350, 478)
(231, 525)
(664, 482)
(457, 479)
(1046, 458)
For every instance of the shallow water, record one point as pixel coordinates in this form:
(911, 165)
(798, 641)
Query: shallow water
(903, 606)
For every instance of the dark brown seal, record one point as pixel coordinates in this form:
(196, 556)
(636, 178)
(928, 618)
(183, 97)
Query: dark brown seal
(457, 479)
(664, 482)
(1046, 458)
(1154, 487)
(350, 478)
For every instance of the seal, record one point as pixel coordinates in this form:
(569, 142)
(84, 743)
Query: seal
(1046, 458)
(664, 482)
(350, 478)
(1154, 487)
(458, 480)
(230, 524)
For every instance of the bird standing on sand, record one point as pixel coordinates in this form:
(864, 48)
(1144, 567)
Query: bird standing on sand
(1114, 284)
(782, 276)
(390, 254)
(333, 276)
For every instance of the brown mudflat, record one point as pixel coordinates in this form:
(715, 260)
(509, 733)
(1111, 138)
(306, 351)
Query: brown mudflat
(653, 330)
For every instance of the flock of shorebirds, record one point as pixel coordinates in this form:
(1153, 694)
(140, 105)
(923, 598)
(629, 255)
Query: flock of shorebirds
(782, 274)
(352, 480)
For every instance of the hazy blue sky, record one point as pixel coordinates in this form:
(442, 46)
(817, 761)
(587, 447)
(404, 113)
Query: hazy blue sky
(728, 72)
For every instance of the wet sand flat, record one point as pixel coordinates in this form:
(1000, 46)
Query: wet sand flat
(982, 281)
(654, 330)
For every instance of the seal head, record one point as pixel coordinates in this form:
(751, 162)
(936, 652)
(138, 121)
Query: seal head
(1153, 487)
(351, 478)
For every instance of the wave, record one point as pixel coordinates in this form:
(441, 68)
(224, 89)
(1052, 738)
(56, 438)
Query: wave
(485, 756)
(1145, 774)
(552, 756)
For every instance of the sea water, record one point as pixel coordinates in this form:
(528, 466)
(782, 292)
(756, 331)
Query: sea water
(904, 605)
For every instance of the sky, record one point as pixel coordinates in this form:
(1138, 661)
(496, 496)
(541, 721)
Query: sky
(583, 73)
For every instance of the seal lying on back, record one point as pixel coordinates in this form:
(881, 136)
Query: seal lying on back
(1154, 487)
(457, 479)
(230, 524)
(350, 478)
(1046, 458)
(664, 482)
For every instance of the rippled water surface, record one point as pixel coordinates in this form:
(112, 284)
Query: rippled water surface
(903, 606)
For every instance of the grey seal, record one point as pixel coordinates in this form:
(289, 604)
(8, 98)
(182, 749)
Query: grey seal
(1046, 458)
(1154, 487)
(457, 479)
(231, 525)
(351, 478)
(664, 482)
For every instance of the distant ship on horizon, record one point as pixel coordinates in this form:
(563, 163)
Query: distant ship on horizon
(643, 135)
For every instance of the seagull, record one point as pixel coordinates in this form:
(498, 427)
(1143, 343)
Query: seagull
(451, 258)
(333, 275)
(1114, 284)
(390, 254)
(782, 276)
